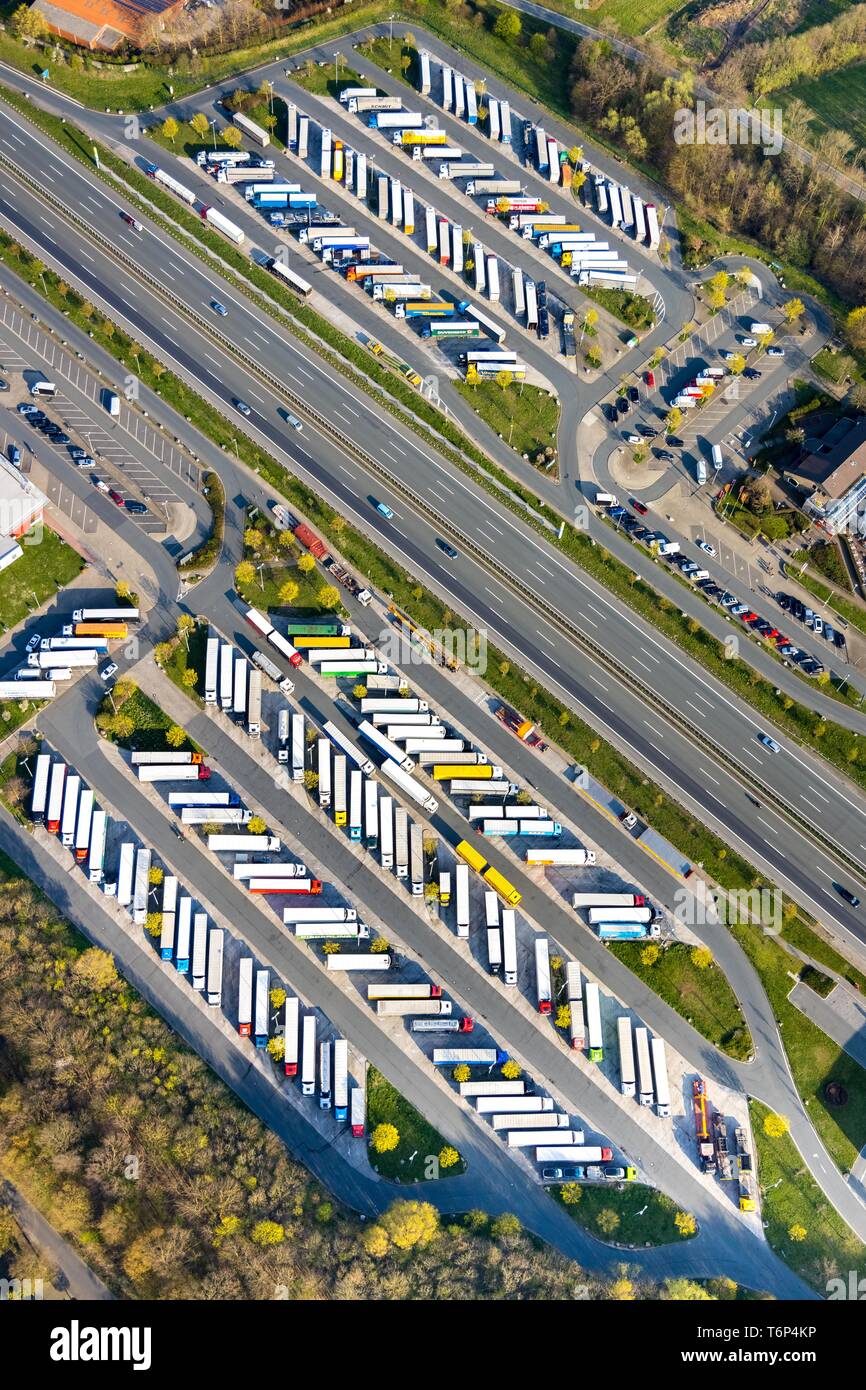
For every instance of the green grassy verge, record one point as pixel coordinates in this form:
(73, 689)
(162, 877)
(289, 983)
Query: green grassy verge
(704, 997)
(791, 1199)
(812, 944)
(189, 653)
(644, 1216)
(274, 556)
(386, 1106)
(526, 417)
(131, 719)
(851, 612)
(15, 782)
(46, 566)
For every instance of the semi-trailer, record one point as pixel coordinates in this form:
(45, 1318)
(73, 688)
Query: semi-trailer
(396, 705)
(493, 811)
(451, 328)
(245, 996)
(645, 1089)
(494, 933)
(574, 996)
(262, 1009)
(652, 224)
(594, 1035)
(358, 1111)
(70, 809)
(386, 832)
(470, 757)
(199, 950)
(323, 772)
(543, 990)
(559, 858)
(184, 930)
(470, 1056)
(643, 915)
(308, 1056)
(332, 931)
(462, 913)
(96, 853)
(226, 675)
(517, 1104)
(456, 249)
(341, 1079)
(608, 900)
(509, 947)
(142, 887)
(169, 913)
(254, 704)
(80, 657)
(442, 1025)
(72, 644)
(291, 1031)
(531, 1138)
(356, 962)
(251, 844)
(577, 1153)
(239, 695)
(215, 815)
(356, 802)
(478, 772)
(419, 990)
(223, 224)
(211, 670)
(106, 615)
(386, 745)
(626, 1056)
(492, 1088)
(243, 871)
(375, 102)
(395, 120)
(465, 787)
(39, 793)
(339, 783)
(534, 1121)
(399, 733)
(83, 823)
(416, 860)
(395, 773)
(325, 1075)
(614, 930)
(125, 871)
(420, 741)
(161, 759)
(293, 915)
(371, 814)
(401, 841)
(298, 748)
(660, 1077)
(404, 1008)
(181, 799)
(295, 886)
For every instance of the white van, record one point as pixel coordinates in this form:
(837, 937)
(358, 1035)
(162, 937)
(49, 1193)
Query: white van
(759, 328)
(716, 455)
(43, 387)
(112, 402)
(697, 575)
(605, 499)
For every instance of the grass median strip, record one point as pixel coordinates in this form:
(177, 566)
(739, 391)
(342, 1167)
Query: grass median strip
(626, 1214)
(403, 1145)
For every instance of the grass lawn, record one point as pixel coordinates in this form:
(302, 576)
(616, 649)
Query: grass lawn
(276, 563)
(836, 366)
(15, 784)
(646, 1216)
(46, 566)
(704, 997)
(322, 82)
(631, 17)
(826, 557)
(149, 722)
(525, 416)
(791, 1197)
(812, 944)
(631, 309)
(189, 654)
(835, 100)
(385, 1105)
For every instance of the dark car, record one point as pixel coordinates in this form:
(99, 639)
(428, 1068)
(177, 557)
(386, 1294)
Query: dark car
(58, 437)
(640, 507)
(622, 405)
(115, 496)
(447, 549)
(133, 506)
(798, 608)
(647, 431)
(784, 602)
(839, 638)
(610, 412)
(664, 455)
(751, 374)
(633, 393)
(4, 384)
(674, 442)
(847, 894)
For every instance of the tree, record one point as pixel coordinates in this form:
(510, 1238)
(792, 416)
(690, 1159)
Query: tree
(593, 357)
(622, 1290)
(701, 957)
(590, 319)
(266, 1233)
(507, 26)
(245, 573)
(504, 380)
(375, 1241)
(306, 563)
(162, 653)
(200, 124)
(716, 300)
(538, 47)
(685, 1223)
(175, 735)
(673, 420)
(607, 1221)
(289, 591)
(685, 1291)
(189, 678)
(121, 590)
(511, 1070)
(276, 1048)
(650, 954)
(121, 726)
(379, 945)
(410, 1224)
(253, 538)
(473, 376)
(359, 691)
(170, 129)
(736, 364)
(232, 137)
(776, 1126)
(719, 281)
(855, 328)
(329, 596)
(448, 1157)
(570, 1193)
(96, 969)
(155, 875)
(185, 624)
(797, 1232)
(311, 780)
(461, 1072)
(28, 24)
(153, 924)
(792, 309)
(384, 1138)
(563, 1016)
(256, 825)
(505, 1227)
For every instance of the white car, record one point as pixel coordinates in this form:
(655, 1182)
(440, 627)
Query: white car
(769, 743)
(749, 342)
(33, 642)
(108, 671)
(293, 421)
(706, 547)
(730, 356)
(282, 520)
(632, 439)
(103, 486)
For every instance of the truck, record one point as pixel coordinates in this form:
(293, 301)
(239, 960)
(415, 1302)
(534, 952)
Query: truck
(599, 899)
(395, 773)
(308, 1056)
(298, 748)
(241, 871)
(396, 120)
(142, 887)
(293, 915)
(559, 858)
(106, 615)
(577, 1153)
(416, 860)
(404, 1008)
(543, 992)
(323, 770)
(325, 1096)
(531, 1138)
(173, 772)
(339, 784)
(83, 824)
(494, 932)
(574, 997)
(355, 962)
(626, 1056)
(356, 799)
(252, 844)
(71, 644)
(211, 670)
(39, 793)
(401, 841)
(283, 726)
(614, 930)
(223, 224)
(644, 1067)
(239, 696)
(184, 926)
(385, 745)
(68, 818)
(346, 746)
(371, 814)
(254, 704)
(332, 931)
(96, 853)
(660, 1076)
(146, 759)
(642, 915)
(472, 1089)
(199, 950)
(358, 1111)
(462, 901)
(397, 706)
(262, 1009)
(594, 1035)
(215, 948)
(703, 1138)
(421, 989)
(125, 869)
(484, 187)
(442, 1025)
(535, 1120)
(341, 1080)
(227, 684)
(386, 832)
(245, 996)
(291, 1030)
(509, 947)
(470, 1056)
(81, 657)
(517, 1104)
(296, 886)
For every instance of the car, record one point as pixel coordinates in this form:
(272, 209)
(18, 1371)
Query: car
(798, 608)
(115, 496)
(14, 455)
(219, 308)
(610, 412)
(771, 634)
(640, 507)
(784, 602)
(76, 451)
(713, 591)
(103, 486)
(242, 407)
(674, 442)
(730, 356)
(818, 625)
(25, 408)
(689, 567)
(781, 640)
(664, 455)
(85, 461)
(108, 671)
(752, 374)
(829, 632)
(808, 617)
(788, 649)
(134, 506)
(616, 1172)
(375, 347)
(58, 437)
(4, 384)
(748, 616)
(551, 1175)
(647, 431)
(749, 342)
(631, 438)
(706, 547)
(738, 610)
(282, 519)
(384, 510)
(728, 600)
(447, 549)
(770, 743)
(629, 819)
(650, 379)
(847, 894)
(622, 405)
(132, 222)
(775, 352)
(839, 638)
(762, 625)
(293, 420)
(33, 642)
(633, 393)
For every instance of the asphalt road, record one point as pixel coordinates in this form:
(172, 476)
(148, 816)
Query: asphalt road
(75, 1277)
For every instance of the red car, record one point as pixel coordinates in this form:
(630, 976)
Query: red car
(115, 496)
(780, 640)
(650, 378)
(640, 507)
(772, 635)
(748, 617)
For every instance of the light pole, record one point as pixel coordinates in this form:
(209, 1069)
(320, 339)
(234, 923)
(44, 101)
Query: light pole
(390, 32)
(212, 124)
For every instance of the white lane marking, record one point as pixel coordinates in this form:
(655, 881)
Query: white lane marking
(495, 597)
(548, 640)
(696, 710)
(708, 775)
(596, 680)
(656, 731)
(770, 827)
